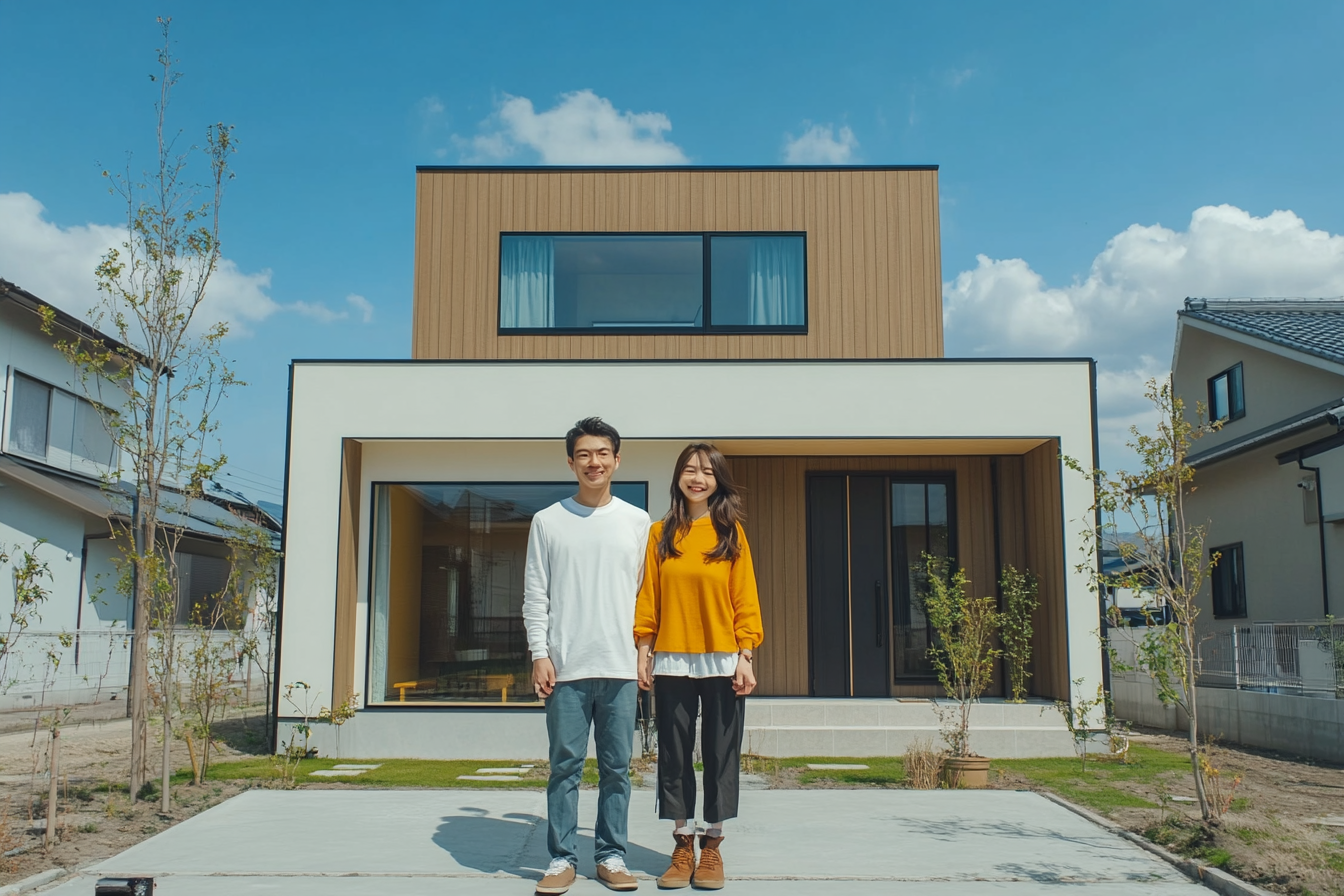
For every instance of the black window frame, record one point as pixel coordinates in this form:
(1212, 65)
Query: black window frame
(1229, 573)
(1236, 404)
(706, 328)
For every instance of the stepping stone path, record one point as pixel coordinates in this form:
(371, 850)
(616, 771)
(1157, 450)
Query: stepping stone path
(1334, 821)
(343, 770)
(835, 767)
(513, 773)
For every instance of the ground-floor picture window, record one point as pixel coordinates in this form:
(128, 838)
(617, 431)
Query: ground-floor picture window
(446, 595)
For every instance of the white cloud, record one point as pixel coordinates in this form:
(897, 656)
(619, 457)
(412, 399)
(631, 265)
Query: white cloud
(581, 129)
(959, 76)
(1124, 312)
(359, 306)
(56, 264)
(362, 306)
(819, 145)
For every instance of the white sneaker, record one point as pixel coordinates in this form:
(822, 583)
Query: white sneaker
(615, 876)
(559, 877)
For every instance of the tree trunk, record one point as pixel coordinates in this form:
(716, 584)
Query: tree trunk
(1204, 809)
(166, 800)
(138, 683)
(50, 836)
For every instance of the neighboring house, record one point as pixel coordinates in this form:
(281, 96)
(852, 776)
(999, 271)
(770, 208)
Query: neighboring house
(791, 315)
(1269, 487)
(55, 456)
(1270, 481)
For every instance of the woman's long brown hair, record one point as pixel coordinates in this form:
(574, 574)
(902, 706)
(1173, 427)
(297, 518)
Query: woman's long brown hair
(725, 507)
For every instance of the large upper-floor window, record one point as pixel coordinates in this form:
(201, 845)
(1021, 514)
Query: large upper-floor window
(651, 282)
(59, 429)
(446, 620)
(1227, 400)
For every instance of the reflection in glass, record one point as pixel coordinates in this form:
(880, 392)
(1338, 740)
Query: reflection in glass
(920, 524)
(447, 592)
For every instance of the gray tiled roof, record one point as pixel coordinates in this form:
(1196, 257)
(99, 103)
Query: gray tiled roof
(1314, 326)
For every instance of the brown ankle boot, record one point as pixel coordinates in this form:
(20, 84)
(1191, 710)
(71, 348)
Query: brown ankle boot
(679, 873)
(709, 872)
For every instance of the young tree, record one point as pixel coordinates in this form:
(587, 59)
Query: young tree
(168, 376)
(1166, 557)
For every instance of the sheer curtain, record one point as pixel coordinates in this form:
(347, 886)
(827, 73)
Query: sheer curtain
(527, 282)
(382, 541)
(775, 285)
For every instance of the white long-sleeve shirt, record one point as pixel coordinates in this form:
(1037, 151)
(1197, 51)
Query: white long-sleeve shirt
(584, 566)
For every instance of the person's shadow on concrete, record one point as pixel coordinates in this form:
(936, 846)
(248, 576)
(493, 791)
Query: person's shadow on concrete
(515, 843)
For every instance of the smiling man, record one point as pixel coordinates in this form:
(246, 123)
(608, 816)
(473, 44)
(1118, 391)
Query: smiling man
(585, 558)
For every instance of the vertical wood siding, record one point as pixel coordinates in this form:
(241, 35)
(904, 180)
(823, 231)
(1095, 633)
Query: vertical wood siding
(1043, 527)
(873, 255)
(347, 586)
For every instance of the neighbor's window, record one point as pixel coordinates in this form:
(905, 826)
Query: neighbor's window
(447, 591)
(1228, 579)
(642, 282)
(59, 429)
(1226, 399)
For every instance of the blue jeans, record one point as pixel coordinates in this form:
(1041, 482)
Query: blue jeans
(608, 706)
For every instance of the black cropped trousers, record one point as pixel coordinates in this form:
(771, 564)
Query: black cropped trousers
(722, 722)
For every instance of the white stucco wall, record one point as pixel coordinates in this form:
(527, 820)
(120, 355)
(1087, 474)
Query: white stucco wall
(505, 421)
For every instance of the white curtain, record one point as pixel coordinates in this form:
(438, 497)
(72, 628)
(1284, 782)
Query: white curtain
(382, 555)
(527, 282)
(775, 288)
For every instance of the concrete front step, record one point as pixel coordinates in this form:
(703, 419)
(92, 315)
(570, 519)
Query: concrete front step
(786, 727)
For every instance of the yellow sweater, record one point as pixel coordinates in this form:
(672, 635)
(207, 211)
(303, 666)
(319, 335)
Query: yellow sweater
(691, 606)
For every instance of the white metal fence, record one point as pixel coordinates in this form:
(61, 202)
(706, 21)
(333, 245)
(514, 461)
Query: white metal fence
(1300, 658)
(45, 668)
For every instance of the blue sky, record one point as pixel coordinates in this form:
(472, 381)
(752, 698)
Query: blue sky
(1098, 161)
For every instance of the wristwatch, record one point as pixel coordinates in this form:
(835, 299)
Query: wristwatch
(745, 654)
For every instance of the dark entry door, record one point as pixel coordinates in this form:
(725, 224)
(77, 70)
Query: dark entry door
(867, 537)
(828, 584)
(848, 586)
(868, 586)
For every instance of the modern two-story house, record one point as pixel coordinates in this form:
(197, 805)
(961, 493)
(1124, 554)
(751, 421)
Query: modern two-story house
(1271, 478)
(793, 317)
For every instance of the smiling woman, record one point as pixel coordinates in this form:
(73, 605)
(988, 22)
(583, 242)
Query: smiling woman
(447, 589)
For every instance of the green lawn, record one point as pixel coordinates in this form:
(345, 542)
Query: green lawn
(391, 773)
(1096, 789)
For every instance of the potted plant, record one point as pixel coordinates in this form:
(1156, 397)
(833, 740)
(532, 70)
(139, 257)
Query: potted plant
(963, 655)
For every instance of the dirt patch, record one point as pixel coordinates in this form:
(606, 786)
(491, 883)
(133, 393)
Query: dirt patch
(1267, 837)
(96, 818)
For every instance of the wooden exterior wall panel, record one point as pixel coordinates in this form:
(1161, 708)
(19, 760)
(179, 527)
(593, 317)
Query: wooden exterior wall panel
(347, 573)
(1044, 542)
(874, 277)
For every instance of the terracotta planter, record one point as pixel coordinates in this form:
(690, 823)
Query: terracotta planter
(967, 772)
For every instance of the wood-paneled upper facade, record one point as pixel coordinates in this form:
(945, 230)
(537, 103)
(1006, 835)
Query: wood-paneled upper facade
(873, 270)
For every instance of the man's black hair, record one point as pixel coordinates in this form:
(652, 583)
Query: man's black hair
(593, 426)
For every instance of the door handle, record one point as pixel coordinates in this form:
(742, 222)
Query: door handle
(877, 610)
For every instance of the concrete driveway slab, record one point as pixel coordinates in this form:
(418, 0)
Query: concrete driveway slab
(408, 843)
